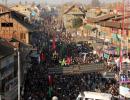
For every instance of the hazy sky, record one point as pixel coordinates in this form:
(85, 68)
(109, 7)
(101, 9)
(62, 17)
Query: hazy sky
(56, 1)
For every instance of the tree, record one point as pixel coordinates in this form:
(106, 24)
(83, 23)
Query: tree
(95, 3)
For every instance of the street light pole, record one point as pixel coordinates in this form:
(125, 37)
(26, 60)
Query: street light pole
(18, 74)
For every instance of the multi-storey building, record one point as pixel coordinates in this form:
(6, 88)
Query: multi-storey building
(8, 83)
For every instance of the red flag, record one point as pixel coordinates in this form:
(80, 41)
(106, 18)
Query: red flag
(68, 61)
(42, 57)
(49, 80)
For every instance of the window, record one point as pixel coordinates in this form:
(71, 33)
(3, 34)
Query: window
(6, 24)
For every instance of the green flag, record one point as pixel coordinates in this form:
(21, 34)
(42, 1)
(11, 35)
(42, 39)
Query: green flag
(63, 50)
(118, 50)
(50, 91)
(106, 55)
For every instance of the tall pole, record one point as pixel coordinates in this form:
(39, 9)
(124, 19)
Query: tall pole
(121, 46)
(0, 97)
(127, 46)
(18, 75)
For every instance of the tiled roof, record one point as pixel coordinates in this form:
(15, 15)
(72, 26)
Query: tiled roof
(6, 48)
(29, 26)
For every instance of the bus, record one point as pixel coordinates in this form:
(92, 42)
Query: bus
(86, 95)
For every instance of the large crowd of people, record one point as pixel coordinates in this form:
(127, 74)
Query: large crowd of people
(35, 83)
(65, 87)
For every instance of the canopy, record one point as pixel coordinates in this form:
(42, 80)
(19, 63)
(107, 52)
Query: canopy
(124, 91)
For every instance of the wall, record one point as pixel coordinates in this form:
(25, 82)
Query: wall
(8, 83)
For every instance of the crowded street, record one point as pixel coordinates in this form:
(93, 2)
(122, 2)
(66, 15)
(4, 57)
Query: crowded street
(65, 50)
(57, 51)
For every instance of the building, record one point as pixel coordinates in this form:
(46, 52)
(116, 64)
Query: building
(21, 8)
(8, 82)
(72, 12)
(31, 11)
(14, 25)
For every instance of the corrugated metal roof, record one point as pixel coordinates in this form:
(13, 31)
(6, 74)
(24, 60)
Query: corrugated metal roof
(111, 24)
(17, 16)
(103, 18)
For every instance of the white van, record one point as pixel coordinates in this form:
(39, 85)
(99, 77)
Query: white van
(86, 95)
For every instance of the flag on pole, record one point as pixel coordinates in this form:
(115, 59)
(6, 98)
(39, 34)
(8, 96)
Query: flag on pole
(106, 56)
(42, 57)
(50, 91)
(49, 80)
(68, 60)
(118, 50)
